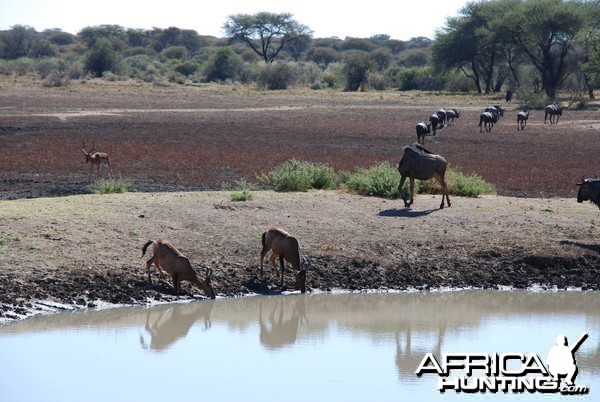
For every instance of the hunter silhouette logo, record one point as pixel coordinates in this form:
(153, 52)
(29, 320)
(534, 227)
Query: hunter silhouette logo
(561, 359)
(508, 372)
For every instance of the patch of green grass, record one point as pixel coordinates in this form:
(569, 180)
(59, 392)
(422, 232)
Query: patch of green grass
(378, 181)
(297, 175)
(5, 238)
(110, 186)
(471, 185)
(243, 195)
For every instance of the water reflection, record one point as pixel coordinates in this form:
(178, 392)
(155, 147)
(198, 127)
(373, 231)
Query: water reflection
(356, 338)
(169, 323)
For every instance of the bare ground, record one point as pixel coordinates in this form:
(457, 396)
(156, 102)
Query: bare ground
(83, 250)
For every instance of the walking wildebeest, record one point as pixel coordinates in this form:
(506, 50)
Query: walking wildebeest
(451, 114)
(554, 111)
(420, 163)
(496, 109)
(509, 95)
(423, 129)
(589, 190)
(442, 114)
(488, 119)
(522, 117)
(434, 119)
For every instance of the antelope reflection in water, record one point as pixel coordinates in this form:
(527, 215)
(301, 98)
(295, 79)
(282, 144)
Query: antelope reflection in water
(278, 332)
(167, 325)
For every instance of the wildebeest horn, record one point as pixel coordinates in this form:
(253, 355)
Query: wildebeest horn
(209, 273)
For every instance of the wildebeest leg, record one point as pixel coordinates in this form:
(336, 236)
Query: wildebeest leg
(402, 181)
(282, 269)
(412, 191)
(445, 192)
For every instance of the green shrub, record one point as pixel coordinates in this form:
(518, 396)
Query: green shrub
(459, 184)
(109, 186)
(297, 175)
(382, 181)
(379, 181)
(471, 185)
(243, 195)
(276, 76)
(531, 100)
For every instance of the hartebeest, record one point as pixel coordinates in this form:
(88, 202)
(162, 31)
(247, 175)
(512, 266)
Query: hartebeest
(284, 246)
(166, 257)
(97, 158)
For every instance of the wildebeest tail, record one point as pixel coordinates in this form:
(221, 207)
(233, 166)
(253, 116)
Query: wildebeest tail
(149, 242)
(263, 241)
(480, 120)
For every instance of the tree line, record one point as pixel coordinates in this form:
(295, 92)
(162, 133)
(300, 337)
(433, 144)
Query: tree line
(541, 46)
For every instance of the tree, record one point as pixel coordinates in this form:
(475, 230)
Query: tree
(265, 33)
(102, 57)
(468, 44)
(17, 42)
(299, 41)
(356, 68)
(545, 31)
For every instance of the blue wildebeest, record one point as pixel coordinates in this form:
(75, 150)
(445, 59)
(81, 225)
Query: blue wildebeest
(589, 190)
(522, 117)
(443, 115)
(488, 119)
(420, 163)
(554, 111)
(423, 129)
(434, 119)
(509, 95)
(451, 114)
(495, 109)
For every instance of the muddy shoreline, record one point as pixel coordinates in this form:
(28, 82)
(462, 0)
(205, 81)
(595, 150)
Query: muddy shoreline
(352, 243)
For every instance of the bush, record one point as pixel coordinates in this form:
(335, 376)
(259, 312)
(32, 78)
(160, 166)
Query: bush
(223, 65)
(531, 100)
(276, 76)
(297, 175)
(187, 68)
(378, 181)
(459, 184)
(243, 195)
(102, 58)
(109, 186)
(382, 181)
(356, 67)
(467, 185)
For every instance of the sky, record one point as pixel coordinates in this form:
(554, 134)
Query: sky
(362, 19)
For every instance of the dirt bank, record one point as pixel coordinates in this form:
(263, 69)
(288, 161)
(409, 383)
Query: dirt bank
(79, 250)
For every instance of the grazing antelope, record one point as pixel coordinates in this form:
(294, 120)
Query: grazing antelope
(522, 117)
(96, 158)
(420, 163)
(166, 257)
(285, 247)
